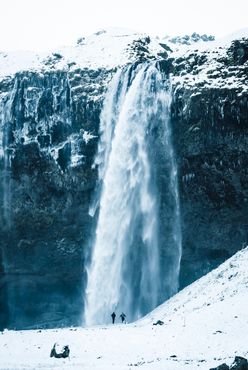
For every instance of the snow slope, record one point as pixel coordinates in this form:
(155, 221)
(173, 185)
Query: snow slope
(205, 325)
(104, 49)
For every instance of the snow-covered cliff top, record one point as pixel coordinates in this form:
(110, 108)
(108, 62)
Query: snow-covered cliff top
(107, 49)
(104, 49)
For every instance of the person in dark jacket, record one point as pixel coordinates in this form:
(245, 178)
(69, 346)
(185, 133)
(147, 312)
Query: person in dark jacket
(123, 317)
(113, 315)
(64, 354)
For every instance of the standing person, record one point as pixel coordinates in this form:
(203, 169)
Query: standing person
(123, 317)
(113, 315)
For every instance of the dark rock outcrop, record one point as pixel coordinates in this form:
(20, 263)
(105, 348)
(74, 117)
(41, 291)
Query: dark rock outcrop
(211, 137)
(210, 126)
(221, 367)
(189, 39)
(238, 52)
(239, 363)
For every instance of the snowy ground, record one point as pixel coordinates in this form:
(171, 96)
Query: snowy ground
(204, 325)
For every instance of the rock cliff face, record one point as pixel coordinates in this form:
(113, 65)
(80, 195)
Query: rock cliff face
(49, 126)
(49, 129)
(210, 123)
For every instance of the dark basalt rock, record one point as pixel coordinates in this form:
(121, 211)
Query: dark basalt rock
(166, 65)
(239, 363)
(165, 46)
(221, 367)
(191, 39)
(139, 50)
(211, 137)
(238, 52)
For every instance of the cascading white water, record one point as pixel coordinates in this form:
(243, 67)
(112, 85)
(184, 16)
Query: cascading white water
(125, 272)
(109, 116)
(6, 120)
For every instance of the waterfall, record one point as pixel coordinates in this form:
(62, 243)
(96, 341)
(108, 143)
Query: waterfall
(126, 273)
(6, 121)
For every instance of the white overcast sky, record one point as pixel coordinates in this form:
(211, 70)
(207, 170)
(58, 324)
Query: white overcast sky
(46, 24)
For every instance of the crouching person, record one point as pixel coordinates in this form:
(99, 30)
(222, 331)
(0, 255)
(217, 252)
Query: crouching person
(64, 354)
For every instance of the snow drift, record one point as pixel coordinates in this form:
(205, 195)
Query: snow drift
(205, 325)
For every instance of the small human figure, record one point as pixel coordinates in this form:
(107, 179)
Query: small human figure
(123, 317)
(64, 354)
(113, 315)
(159, 322)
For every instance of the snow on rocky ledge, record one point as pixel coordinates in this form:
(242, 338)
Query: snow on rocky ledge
(104, 49)
(209, 65)
(109, 49)
(205, 325)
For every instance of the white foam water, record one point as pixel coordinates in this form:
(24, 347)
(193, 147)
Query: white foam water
(125, 271)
